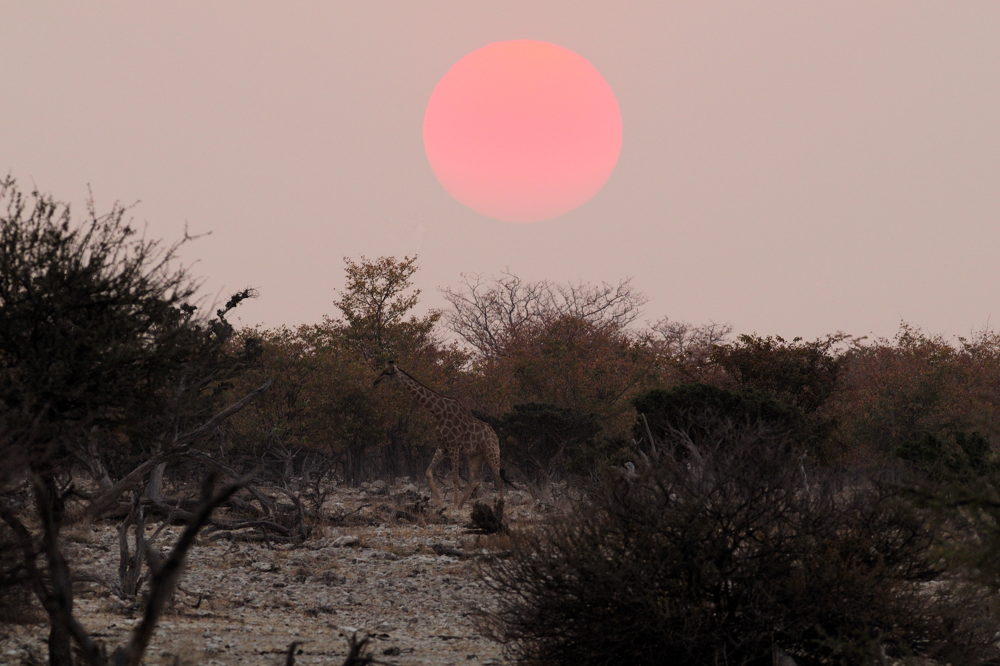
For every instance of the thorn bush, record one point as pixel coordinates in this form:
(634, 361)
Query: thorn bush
(729, 559)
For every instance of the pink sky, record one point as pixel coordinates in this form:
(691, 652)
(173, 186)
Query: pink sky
(791, 168)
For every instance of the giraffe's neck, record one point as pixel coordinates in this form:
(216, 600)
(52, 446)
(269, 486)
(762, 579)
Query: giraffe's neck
(433, 402)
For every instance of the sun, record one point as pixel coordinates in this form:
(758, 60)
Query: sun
(522, 131)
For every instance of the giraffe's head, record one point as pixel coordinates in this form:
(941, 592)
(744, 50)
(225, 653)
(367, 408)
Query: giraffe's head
(391, 372)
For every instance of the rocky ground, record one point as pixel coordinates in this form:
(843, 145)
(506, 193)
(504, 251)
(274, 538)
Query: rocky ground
(412, 586)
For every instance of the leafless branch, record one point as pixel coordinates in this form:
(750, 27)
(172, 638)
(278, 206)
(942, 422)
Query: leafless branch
(486, 314)
(130, 577)
(56, 596)
(266, 503)
(166, 576)
(180, 446)
(303, 528)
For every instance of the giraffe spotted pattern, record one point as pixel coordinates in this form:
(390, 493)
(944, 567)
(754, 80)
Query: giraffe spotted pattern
(460, 433)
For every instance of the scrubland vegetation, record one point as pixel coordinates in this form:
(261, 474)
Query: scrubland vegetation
(735, 499)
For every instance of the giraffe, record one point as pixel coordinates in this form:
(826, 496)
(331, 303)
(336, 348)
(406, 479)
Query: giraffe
(459, 431)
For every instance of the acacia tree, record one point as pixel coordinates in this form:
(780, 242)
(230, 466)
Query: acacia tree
(803, 374)
(101, 349)
(568, 364)
(374, 304)
(490, 314)
(323, 399)
(318, 405)
(684, 350)
(377, 323)
(897, 392)
(541, 347)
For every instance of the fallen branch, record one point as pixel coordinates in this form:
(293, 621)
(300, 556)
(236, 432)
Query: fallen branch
(179, 447)
(340, 518)
(167, 575)
(266, 503)
(303, 528)
(263, 525)
(191, 436)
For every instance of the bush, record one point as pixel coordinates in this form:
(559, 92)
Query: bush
(957, 456)
(729, 561)
(103, 354)
(695, 412)
(323, 400)
(543, 439)
(803, 374)
(104, 359)
(571, 363)
(894, 392)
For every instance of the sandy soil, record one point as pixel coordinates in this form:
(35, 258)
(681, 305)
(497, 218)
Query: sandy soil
(245, 603)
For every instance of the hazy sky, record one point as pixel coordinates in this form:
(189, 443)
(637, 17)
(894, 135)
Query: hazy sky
(791, 168)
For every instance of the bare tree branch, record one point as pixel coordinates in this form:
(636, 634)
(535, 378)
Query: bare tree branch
(180, 446)
(166, 576)
(209, 427)
(486, 314)
(266, 503)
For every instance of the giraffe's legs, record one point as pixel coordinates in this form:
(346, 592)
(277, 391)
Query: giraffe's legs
(475, 474)
(438, 454)
(455, 476)
(497, 479)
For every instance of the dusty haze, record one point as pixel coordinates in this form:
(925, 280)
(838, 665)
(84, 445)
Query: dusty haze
(792, 168)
